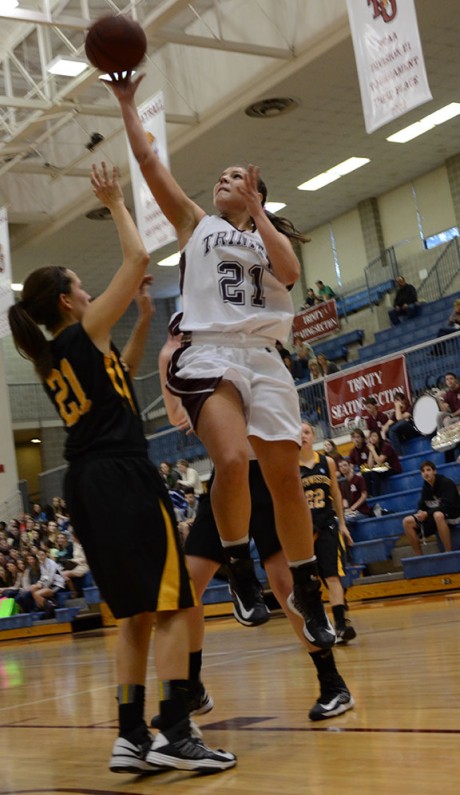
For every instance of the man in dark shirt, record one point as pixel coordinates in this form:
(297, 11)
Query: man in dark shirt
(450, 402)
(438, 507)
(405, 302)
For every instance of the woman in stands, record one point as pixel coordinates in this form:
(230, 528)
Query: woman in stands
(132, 538)
(236, 270)
(383, 461)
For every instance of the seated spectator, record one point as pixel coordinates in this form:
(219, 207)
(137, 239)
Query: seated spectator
(64, 548)
(74, 569)
(354, 490)
(14, 534)
(169, 475)
(188, 514)
(50, 583)
(310, 299)
(315, 372)
(402, 427)
(304, 353)
(325, 293)
(438, 507)
(376, 420)
(285, 355)
(405, 302)
(450, 402)
(3, 577)
(331, 449)
(326, 367)
(38, 514)
(188, 477)
(30, 579)
(359, 454)
(13, 580)
(383, 461)
(453, 322)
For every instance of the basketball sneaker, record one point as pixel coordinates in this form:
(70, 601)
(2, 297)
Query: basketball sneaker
(176, 748)
(246, 591)
(345, 633)
(306, 602)
(335, 698)
(200, 701)
(130, 757)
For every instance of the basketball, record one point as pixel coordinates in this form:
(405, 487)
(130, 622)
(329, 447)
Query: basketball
(115, 44)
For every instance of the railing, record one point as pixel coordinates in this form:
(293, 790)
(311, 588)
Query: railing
(442, 274)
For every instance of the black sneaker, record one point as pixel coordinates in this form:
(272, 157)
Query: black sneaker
(200, 701)
(128, 757)
(177, 749)
(245, 589)
(345, 633)
(306, 602)
(333, 701)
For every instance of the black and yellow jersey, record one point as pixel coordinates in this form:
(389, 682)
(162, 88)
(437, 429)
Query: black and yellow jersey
(93, 394)
(316, 482)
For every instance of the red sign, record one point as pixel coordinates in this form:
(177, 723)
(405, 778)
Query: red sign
(315, 322)
(346, 391)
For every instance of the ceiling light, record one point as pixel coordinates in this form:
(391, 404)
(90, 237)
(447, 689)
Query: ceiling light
(326, 177)
(36, 441)
(8, 5)
(273, 207)
(168, 262)
(67, 67)
(17, 287)
(427, 123)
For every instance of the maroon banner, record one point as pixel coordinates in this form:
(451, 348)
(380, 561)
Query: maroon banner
(346, 392)
(315, 322)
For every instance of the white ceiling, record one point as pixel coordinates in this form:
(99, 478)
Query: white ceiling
(212, 58)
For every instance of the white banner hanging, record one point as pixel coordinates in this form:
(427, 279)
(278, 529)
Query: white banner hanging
(6, 293)
(389, 59)
(154, 228)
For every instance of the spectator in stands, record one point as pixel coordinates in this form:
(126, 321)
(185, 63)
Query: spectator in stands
(304, 353)
(315, 372)
(383, 461)
(331, 449)
(13, 580)
(188, 476)
(324, 291)
(75, 568)
(402, 426)
(51, 580)
(450, 402)
(63, 549)
(285, 355)
(14, 534)
(310, 299)
(438, 507)
(405, 302)
(354, 490)
(38, 514)
(376, 420)
(30, 579)
(453, 322)
(3, 576)
(188, 514)
(168, 474)
(326, 367)
(359, 453)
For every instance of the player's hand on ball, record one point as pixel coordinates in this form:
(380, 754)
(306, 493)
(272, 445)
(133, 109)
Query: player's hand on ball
(123, 85)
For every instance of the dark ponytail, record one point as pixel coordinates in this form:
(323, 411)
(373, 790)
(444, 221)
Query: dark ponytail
(281, 224)
(39, 307)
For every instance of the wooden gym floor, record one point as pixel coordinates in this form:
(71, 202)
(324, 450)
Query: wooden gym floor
(57, 710)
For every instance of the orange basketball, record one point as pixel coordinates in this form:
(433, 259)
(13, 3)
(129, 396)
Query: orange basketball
(115, 43)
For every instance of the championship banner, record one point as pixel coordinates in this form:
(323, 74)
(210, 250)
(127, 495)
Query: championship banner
(389, 59)
(6, 293)
(315, 322)
(155, 230)
(346, 392)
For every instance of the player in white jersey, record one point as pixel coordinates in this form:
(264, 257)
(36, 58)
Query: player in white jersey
(228, 373)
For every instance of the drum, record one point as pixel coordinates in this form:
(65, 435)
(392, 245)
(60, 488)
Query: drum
(425, 414)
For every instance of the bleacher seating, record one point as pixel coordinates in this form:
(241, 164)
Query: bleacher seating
(353, 302)
(336, 349)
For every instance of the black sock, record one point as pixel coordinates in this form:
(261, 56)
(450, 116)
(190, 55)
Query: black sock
(237, 552)
(305, 573)
(174, 704)
(194, 670)
(325, 664)
(339, 616)
(131, 700)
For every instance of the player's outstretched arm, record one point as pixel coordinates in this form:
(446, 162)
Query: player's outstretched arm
(134, 349)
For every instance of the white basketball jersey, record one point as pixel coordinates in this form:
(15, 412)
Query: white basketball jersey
(228, 286)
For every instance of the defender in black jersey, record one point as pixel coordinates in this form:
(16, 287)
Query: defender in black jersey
(319, 480)
(117, 501)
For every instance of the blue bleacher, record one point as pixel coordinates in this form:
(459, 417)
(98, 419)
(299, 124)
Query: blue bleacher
(361, 299)
(336, 348)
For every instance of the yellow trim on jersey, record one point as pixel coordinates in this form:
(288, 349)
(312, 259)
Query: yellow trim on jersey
(170, 586)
